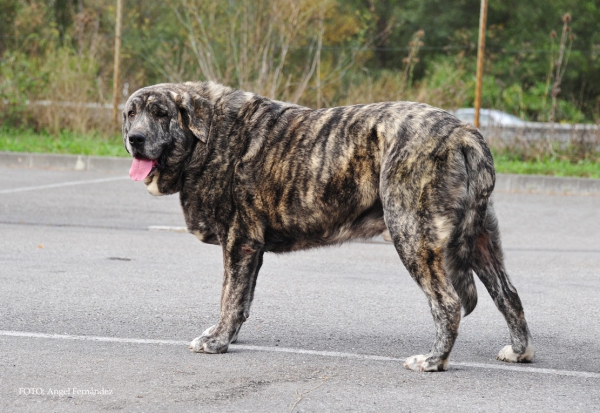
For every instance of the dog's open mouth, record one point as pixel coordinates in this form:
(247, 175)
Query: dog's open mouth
(141, 168)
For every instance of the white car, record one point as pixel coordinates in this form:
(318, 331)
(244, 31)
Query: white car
(488, 117)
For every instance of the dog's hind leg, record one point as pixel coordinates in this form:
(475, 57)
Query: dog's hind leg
(417, 240)
(242, 260)
(488, 264)
(424, 192)
(425, 263)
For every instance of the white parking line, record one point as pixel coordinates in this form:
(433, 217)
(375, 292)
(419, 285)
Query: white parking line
(167, 228)
(61, 184)
(336, 354)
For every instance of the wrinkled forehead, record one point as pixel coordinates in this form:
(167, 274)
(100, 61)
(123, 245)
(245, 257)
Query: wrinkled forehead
(146, 97)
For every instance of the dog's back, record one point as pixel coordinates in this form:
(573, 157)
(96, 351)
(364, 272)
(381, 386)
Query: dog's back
(314, 176)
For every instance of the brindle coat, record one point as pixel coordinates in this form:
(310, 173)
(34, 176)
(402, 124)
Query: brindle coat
(257, 175)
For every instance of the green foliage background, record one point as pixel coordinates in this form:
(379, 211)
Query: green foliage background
(62, 50)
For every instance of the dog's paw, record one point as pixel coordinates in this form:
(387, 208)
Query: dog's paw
(420, 363)
(507, 354)
(207, 343)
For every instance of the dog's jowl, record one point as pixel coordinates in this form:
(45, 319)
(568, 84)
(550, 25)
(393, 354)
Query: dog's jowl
(256, 175)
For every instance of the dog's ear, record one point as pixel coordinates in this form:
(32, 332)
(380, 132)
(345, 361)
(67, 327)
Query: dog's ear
(195, 114)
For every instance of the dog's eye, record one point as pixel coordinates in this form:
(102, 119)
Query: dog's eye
(160, 114)
(131, 114)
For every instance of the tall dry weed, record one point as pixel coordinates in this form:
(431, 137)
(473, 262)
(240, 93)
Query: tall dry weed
(72, 83)
(444, 86)
(249, 44)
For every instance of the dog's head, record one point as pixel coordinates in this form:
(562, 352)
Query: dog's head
(161, 126)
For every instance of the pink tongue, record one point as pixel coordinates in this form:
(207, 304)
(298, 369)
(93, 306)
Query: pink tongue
(140, 168)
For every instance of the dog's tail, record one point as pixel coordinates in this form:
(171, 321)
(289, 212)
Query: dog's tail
(471, 159)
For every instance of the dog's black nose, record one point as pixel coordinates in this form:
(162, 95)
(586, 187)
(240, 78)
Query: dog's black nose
(137, 139)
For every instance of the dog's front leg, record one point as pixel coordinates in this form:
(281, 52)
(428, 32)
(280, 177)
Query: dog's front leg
(242, 261)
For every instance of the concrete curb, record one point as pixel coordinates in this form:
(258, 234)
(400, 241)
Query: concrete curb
(547, 184)
(64, 162)
(504, 182)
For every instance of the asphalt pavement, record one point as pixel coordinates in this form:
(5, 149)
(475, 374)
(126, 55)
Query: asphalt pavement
(100, 292)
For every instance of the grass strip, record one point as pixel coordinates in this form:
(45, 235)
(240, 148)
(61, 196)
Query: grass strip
(66, 142)
(586, 168)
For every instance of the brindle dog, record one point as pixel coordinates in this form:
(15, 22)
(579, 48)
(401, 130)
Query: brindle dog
(257, 175)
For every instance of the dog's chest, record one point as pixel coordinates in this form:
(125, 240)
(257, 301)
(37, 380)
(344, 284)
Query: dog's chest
(205, 211)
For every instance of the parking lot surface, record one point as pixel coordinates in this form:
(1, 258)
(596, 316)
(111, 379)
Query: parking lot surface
(100, 292)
